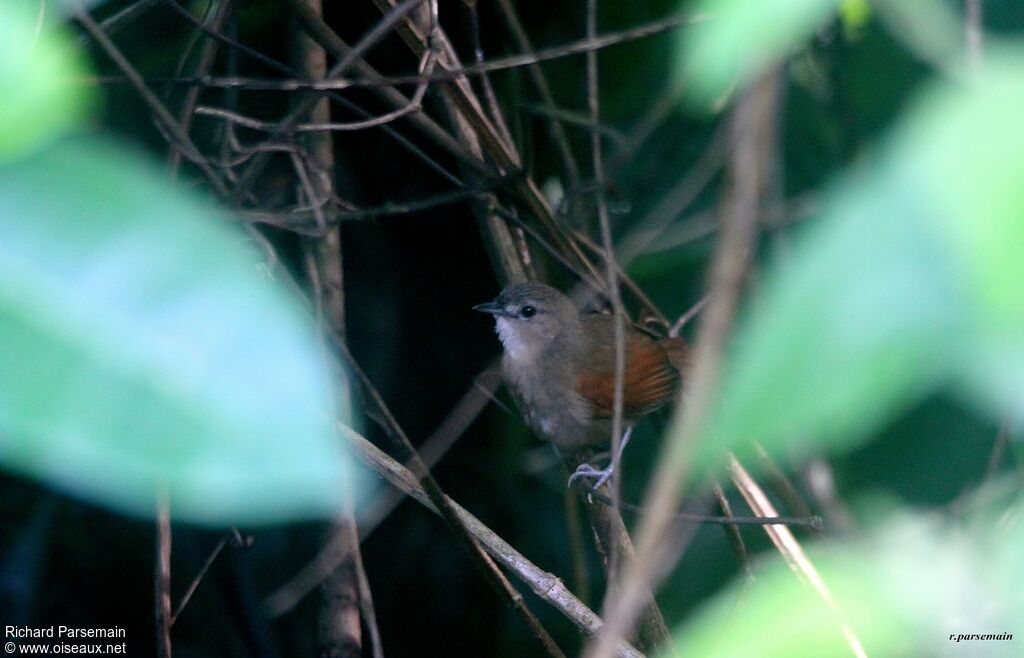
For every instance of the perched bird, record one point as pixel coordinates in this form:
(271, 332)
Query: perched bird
(560, 366)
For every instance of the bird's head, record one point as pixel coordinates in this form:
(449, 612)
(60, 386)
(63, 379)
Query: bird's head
(529, 317)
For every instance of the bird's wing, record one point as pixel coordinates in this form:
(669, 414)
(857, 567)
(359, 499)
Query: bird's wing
(649, 380)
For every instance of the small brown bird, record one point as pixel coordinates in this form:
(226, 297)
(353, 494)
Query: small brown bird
(560, 366)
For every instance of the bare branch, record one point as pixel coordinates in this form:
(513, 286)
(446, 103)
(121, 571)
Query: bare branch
(545, 585)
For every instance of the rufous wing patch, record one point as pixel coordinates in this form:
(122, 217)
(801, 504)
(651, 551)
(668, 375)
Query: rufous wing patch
(649, 380)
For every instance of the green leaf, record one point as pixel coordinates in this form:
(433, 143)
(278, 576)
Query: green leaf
(143, 347)
(854, 16)
(966, 150)
(902, 591)
(735, 40)
(847, 333)
(911, 280)
(39, 98)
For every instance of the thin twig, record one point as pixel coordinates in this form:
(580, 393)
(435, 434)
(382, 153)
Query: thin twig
(414, 105)
(575, 119)
(732, 532)
(303, 222)
(497, 116)
(172, 128)
(493, 575)
(674, 202)
(646, 126)
(206, 59)
(582, 46)
(753, 124)
(194, 585)
(611, 270)
(633, 286)
(289, 594)
(348, 57)
(377, 80)
(460, 95)
(122, 19)
(790, 549)
(685, 318)
(811, 522)
(783, 486)
(162, 576)
(546, 586)
(432, 131)
(558, 136)
(653, 633)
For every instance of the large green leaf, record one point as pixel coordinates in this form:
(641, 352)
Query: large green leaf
(966, 151)
(39, 93)
(736, 39)
(912, 279)
(143, 347)
(904, 591)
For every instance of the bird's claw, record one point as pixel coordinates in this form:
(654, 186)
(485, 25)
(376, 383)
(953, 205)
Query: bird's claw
(587, 471)
(605, 474)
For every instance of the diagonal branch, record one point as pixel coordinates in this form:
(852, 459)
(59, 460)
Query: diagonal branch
(174, 130)
(545, 585)
(446, 509)
(460, 95)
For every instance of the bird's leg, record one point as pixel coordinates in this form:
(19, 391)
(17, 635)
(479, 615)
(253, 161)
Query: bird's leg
(602, 475)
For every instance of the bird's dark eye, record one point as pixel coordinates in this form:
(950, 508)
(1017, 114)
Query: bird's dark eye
(527, 311)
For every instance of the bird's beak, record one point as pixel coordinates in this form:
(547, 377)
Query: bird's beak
(492, 307)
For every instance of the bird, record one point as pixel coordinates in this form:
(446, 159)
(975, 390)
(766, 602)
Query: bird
(559, 364)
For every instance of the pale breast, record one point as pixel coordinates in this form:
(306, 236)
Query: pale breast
(549, 402)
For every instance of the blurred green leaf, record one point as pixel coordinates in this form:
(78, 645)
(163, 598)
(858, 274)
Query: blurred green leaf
(854, 15)
(144, 348)
(903, 592)
(966, 150)
(38, 65)
(737, 39)
(852, 329)
(911, 279)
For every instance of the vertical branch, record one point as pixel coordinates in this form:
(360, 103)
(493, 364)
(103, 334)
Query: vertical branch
(339, 629)
(611, 271)
(613, 539)
(574, 533)
(611, 531)
(162, 576)
(753, 127)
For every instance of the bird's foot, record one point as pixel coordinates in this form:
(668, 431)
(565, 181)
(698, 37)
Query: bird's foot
(586, 471)
(601, 475)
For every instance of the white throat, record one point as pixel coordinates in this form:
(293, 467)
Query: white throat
(516, 347)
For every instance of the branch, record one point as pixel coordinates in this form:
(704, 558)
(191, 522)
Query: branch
(164, 118)
(446, 509)
(545, 585)
(653, 633)
(753, 127)
(472, 123)
(162, 577)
